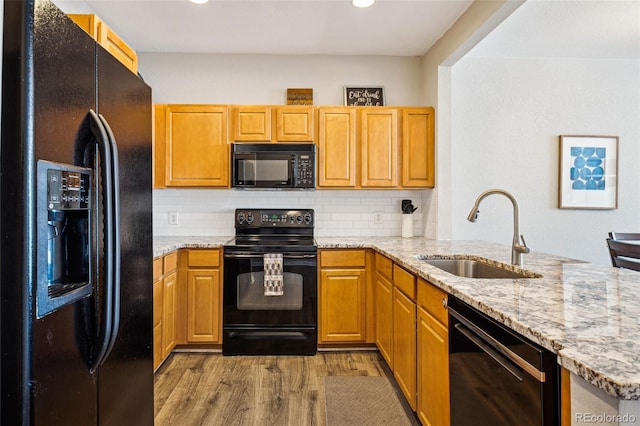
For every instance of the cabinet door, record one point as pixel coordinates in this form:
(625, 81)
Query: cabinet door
(404, 345)
(343, 308)
(337, 147)
(418, 148)
(295, 124)
(196, 148)
(203, 299)
(251, 123)
(384, 318)
(157, 322)
(379, 148)
(169, 313)
(433, 371)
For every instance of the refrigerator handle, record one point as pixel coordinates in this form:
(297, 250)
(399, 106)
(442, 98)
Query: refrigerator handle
(115, 186)
(106, 321)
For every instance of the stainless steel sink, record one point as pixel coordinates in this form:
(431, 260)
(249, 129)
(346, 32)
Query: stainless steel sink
(472, 268)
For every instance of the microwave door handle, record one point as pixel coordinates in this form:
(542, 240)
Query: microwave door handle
(104, 334)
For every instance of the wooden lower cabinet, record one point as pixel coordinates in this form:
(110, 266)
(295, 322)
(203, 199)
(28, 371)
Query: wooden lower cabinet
(344, 316)
(343, 309)
(404, 345)
(433, 356)
(169, 307)
(204, 296)
(157, 312)
(203, 289)
(165, 277)
(384, 317)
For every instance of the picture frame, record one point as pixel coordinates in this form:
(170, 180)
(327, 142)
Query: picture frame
(364, 96)
(588, 175)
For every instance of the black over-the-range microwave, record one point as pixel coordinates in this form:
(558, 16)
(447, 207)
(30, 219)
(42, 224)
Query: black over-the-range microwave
(273, 165)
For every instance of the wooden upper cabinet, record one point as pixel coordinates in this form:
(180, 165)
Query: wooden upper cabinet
(337, 144)
(418, 156)
(108, 39)
(295, 124)
(379, 147)
(191, 146)
(250, 123)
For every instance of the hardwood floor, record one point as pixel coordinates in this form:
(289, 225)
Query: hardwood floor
(209, 389)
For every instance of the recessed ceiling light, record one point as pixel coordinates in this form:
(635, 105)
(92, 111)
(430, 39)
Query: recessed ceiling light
(362, 3)
(199, 1)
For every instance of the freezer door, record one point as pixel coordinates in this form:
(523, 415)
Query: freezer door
(125, 380)
(48, 86)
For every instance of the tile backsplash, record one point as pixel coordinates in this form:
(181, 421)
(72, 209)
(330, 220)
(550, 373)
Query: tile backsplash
(202, 212)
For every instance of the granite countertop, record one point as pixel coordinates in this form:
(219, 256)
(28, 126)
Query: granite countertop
(588, 314)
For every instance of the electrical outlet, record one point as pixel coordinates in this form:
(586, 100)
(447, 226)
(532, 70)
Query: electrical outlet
(173, 218)
(377, 218)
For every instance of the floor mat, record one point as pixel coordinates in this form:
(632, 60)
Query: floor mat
(363, 400)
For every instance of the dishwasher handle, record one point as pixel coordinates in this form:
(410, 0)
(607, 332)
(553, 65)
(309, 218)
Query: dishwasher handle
(485, 341)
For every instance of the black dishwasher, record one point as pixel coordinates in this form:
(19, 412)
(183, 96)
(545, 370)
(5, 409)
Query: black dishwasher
(498, 377)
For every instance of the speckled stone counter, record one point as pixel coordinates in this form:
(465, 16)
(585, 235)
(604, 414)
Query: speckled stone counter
(589, 315)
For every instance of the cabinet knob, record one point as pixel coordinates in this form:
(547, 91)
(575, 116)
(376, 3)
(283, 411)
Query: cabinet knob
(444, 302)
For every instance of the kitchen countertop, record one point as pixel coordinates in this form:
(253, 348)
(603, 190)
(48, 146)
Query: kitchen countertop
(588, 314)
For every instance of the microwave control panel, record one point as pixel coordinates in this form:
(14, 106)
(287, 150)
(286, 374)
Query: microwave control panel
(304, 173)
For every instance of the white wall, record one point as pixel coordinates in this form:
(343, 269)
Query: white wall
(507, 115)
(263, 79)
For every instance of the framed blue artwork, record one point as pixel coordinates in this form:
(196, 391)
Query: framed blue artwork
(588, 172)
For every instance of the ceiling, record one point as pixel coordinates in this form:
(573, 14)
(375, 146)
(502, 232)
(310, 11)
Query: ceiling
(277, 27)
(538, 28)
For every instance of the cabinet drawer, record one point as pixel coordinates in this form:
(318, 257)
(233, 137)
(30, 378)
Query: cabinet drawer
(405, 281)
(157, 268)
(431, 299)
(342, 258)
(384, 266)
(170, 262)
(207, 258)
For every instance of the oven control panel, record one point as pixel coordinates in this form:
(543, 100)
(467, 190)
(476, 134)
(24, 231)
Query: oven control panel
(257, 218)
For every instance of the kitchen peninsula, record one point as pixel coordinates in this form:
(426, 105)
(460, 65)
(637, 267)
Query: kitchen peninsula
(587, 314)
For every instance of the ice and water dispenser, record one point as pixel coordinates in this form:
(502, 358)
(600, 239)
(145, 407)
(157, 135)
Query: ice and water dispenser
(64, 235)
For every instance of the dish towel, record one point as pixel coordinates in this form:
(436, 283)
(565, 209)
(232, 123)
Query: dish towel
(273, 277)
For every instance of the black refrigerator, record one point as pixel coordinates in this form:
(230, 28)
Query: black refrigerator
(75, 231)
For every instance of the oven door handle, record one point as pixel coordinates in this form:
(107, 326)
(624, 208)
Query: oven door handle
(494, 348)
(260, 256)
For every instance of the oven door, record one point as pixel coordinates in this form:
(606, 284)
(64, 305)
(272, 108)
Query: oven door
(245, 303)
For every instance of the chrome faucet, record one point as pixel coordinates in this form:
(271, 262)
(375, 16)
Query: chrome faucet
(517, 249)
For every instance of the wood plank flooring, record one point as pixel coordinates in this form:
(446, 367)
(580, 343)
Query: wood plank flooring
(209, 389)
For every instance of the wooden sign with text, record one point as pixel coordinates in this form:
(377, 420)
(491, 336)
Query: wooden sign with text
(363, 96)
(299, 96)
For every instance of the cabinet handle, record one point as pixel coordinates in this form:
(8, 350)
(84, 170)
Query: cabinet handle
(444, 302)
